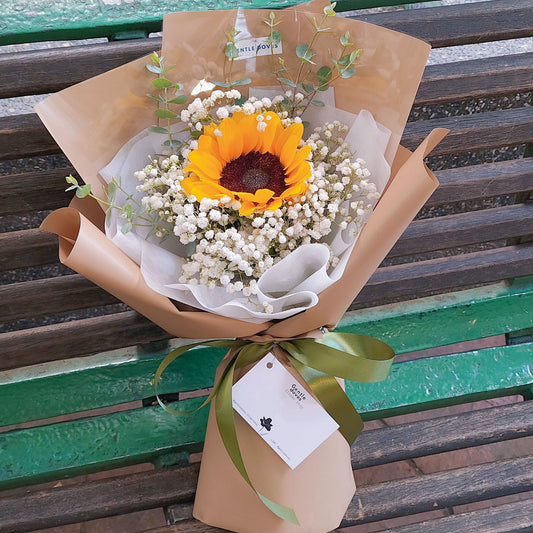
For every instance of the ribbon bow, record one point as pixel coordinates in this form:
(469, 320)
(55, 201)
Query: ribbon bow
(318, 361)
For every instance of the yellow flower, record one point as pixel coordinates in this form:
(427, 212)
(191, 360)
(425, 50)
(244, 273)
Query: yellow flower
(260, 166)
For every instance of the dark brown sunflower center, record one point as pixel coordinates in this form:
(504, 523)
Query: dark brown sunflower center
(253, 171)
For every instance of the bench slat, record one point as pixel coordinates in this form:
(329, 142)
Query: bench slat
(412, 495)
(489, 76)
(476, 22)
(44, 190)
(34, 191)
(454, 231)
(68, 293)
(440, 490)
(416, 325)
(139, 435)
(479, 131)
(445, 26)
(33, 248)
(427, 277)
(482, 181)
(508, 518)
(25, 135)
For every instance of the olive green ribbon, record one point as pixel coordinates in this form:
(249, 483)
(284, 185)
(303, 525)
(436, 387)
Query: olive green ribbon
(318, 361)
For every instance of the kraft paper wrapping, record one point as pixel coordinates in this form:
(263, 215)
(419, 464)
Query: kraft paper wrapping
(92, 120)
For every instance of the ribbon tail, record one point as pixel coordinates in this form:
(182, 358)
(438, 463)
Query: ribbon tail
(226, 425)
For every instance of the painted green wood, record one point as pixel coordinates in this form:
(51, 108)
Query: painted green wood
(49, 390)
(81, 446)
(41, 20)
(93, 444)
(447, 318)
(118, 377)
(446, 380)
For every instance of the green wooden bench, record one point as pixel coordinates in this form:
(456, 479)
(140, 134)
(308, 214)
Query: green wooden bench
(462, 271)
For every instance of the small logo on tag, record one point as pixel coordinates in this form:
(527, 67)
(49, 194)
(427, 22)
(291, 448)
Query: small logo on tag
(266, 423)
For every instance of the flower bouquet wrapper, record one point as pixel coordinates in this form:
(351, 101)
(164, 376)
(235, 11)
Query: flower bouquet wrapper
(94, 119)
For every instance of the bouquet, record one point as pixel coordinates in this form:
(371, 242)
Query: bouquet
(250, 212)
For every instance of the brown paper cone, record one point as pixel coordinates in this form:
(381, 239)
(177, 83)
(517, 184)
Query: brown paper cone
(91, 121)
(319, 489)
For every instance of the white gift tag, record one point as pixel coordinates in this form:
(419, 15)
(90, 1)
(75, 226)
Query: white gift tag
(281, 411)
(254, 47)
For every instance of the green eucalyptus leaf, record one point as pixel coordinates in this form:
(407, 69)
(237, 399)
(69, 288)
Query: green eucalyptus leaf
(276, 37)
(83, 191)
(221, 84)
(153, 68)
(126, 228)
(344, 61)
(111, 191)
(318, 103)
(345, 39)
(155, 58)
(323, 87)
(354, 55)
(308, 88)
(166, 69)
(231, 51)
(162, 83)
(287, 82)
(181, 99)
(71, 179)
(242, 81)
(347, 72)
(165, 113)
(195, 134)
(172, 143)
(157, 129)
(158, 98)
(304, 52)
(324, 73)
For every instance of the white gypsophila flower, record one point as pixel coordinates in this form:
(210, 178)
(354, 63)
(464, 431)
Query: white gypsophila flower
(233, 251)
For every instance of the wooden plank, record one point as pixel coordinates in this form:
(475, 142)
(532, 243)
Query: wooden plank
(43, 71)
(416, 325)
(450, 25)
(476, 22)
(479, 131)
(508, 518)
(34, 191)
(25, 135)
(443, 434)
(33, 248)
(27, 248)
(96, 499)
(50, 296)
(91, 444)
(478, 78)
(482, 181)
(440, 490)
(77, 337)
(62, 505)
(426, 277)
(454, 231)
(417, 494)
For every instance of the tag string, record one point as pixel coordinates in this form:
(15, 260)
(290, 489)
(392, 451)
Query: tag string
(318, 361)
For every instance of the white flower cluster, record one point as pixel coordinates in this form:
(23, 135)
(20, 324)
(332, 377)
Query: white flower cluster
(232, 250)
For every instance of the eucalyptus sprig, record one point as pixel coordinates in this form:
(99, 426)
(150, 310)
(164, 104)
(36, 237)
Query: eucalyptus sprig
(231, 51)
(130, 211)
(342, 66)
(168, 97)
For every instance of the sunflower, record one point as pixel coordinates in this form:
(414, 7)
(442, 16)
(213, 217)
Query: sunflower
(251, 158)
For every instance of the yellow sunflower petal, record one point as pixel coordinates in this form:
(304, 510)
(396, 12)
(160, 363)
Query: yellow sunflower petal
(207, 143)
(288, 150)
(272, 130)
(301, 173)
(262, 196)
(295, 130)
(300, 156)
(247, 208)
(274, 204)
(203, 189)
(250, 134)
(207, 162)
(230, 142)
